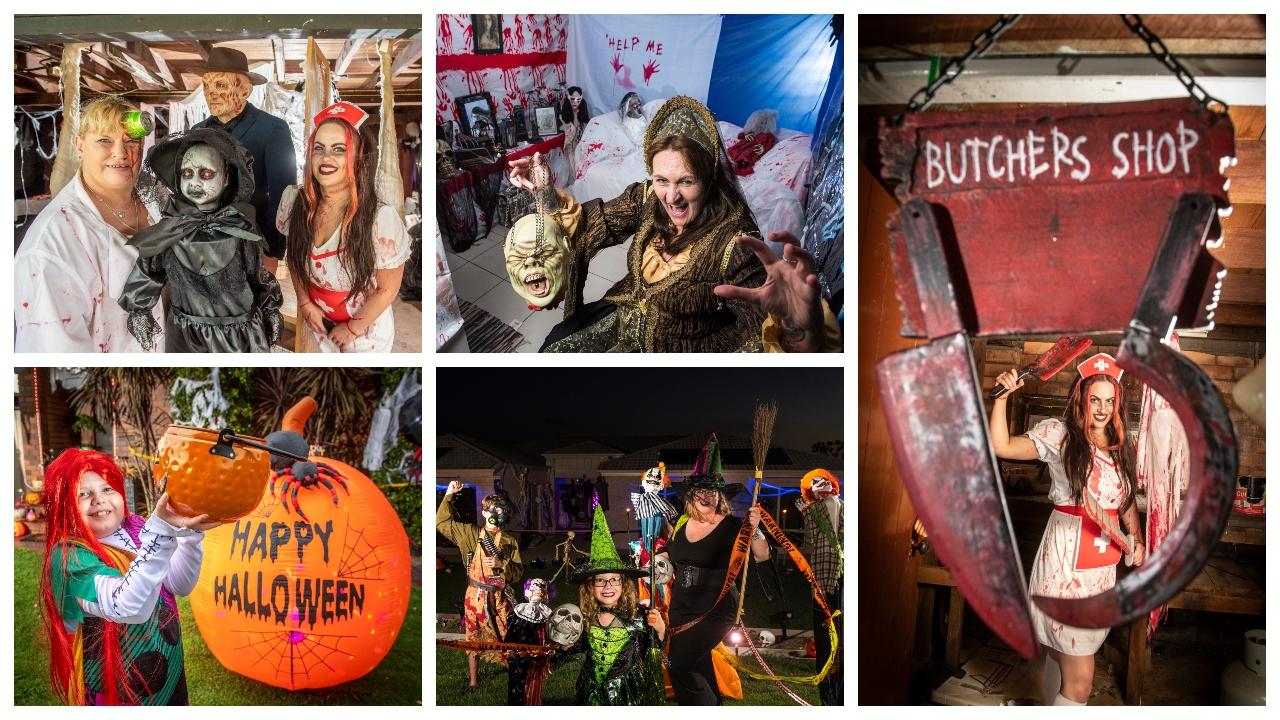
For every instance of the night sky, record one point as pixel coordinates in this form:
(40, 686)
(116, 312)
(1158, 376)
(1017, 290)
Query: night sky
(512, 405)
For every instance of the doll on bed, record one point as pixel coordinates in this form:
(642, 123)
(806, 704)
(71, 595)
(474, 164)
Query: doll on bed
(756, 139)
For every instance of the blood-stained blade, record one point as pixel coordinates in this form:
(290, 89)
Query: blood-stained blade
(1210, 436)
(937, 426)
(938, 430)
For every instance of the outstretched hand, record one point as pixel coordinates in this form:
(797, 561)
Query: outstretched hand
(790, 290)
(530, 173)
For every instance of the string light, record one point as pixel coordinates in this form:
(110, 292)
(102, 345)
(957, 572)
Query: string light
(35, 380)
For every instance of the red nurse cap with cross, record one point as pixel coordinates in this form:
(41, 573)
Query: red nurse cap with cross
(343, 111)
(1100, 364)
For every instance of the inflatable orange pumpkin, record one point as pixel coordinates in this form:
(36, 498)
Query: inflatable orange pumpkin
(199, 481)
(306, 603)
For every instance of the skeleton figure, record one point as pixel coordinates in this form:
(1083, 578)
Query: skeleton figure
(757, 138)
(565, 625)
(536, 594)
(535, 252)
(206, 249)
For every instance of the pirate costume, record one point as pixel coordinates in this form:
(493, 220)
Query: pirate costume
(623, 663)
(221, 298)
(700, 569)
(487, 607)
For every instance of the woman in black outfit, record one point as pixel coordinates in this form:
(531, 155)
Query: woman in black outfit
(699, 550)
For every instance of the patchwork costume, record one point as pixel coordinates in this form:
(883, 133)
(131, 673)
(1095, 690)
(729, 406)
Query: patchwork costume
(208, 251)
(152, 562)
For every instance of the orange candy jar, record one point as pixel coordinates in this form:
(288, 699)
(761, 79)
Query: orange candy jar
(199, 481)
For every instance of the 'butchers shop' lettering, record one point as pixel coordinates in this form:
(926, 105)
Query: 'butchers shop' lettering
(1013, 157)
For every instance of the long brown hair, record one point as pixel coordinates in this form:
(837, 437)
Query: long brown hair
(625, 609)
(720, 197)
(1077, 451)
(356, 238)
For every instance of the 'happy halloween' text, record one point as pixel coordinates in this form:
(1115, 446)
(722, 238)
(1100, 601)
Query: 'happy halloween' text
(284, 599)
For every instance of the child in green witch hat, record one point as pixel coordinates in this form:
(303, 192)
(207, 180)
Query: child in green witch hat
(622, 639)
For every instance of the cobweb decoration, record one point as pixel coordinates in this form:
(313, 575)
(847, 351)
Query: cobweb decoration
(294, 654)
(360, 559)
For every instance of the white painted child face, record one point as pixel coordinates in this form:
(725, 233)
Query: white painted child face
(203, 176)
(607, 589)
(101, 507)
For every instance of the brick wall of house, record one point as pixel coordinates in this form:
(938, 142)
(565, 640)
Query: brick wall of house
(1225, 363)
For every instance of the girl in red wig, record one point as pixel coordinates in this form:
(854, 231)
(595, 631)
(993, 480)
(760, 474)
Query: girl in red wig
(346, 251)
(108, 587)
(1091, 470)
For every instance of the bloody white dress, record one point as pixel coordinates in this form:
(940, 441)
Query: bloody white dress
(1054, 573)
(392, 248)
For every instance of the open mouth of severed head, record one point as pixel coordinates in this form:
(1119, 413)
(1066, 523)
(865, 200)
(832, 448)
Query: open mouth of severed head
(535, 252)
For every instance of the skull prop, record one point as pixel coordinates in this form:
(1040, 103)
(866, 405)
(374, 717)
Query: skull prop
(662, 569)
(565, 625)
(766, 639)
(535, 252)
(203, 176)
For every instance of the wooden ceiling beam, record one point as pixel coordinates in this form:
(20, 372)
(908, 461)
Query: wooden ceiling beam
(1244, 287)
(37, 29)
(1249, 175)
(277, 51)
(1240, 314)
(406, 55)
(349, 50)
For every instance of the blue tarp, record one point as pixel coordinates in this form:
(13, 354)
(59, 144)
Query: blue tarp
(783, 62)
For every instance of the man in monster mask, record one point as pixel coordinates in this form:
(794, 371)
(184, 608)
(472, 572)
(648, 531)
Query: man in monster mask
(492, 559)
(207, 249)
(535, 252)
(227, 84)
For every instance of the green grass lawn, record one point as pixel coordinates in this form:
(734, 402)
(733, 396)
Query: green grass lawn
(561, 687)
(396, 681)
(451, 585)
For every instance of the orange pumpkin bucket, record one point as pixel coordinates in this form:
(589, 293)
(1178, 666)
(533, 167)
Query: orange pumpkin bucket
(201, 481)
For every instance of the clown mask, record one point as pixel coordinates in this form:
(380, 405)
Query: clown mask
(537, 592)
(821, 488)
(652, 480)
(226, 93)
(535, 252)
(203, 176)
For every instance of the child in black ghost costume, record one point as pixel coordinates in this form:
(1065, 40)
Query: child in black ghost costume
(221, 298)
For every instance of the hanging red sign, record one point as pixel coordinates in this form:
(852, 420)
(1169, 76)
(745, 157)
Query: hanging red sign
(1053, 215)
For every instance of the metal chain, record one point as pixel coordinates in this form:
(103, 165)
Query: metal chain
(1158, 50)
(977, 47)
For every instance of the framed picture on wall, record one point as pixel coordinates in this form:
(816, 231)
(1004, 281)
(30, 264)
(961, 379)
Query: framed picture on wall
(487, 31)
(476, 114)
(545, 121)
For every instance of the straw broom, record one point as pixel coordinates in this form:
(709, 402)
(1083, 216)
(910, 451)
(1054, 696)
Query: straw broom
(761, 436)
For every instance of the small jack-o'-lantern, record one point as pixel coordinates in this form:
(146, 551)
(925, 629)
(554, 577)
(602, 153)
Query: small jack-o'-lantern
(200, 481)
(308, 590)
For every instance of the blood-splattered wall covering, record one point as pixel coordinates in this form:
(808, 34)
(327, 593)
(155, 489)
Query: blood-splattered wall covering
(530, 66)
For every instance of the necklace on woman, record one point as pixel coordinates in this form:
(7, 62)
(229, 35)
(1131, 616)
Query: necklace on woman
(118, 213)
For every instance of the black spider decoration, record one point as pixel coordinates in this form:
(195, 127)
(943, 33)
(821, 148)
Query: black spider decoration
(306, 475)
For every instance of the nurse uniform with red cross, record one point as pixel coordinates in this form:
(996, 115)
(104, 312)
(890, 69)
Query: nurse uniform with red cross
(1091, 469)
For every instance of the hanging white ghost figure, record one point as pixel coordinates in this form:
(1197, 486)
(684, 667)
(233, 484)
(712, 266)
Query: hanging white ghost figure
(203, 177)
(565, 625)
(535, 609)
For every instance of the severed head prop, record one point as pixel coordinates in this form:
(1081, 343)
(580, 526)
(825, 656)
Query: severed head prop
(565, 625)
(536, 251)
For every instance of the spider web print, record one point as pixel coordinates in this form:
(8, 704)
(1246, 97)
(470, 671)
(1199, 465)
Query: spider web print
(293, 653)
(359, 559)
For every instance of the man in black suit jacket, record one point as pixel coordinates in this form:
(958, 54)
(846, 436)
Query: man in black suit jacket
(227, 84)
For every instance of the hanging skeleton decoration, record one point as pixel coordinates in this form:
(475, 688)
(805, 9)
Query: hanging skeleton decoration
(1052, 194)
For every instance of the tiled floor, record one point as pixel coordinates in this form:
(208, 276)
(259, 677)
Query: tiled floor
(480, 277)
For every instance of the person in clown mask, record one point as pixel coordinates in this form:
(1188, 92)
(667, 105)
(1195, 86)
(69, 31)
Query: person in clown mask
(823, 511)
(492, 559)
(346, 249)
(1094, 522)
(207, 250)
